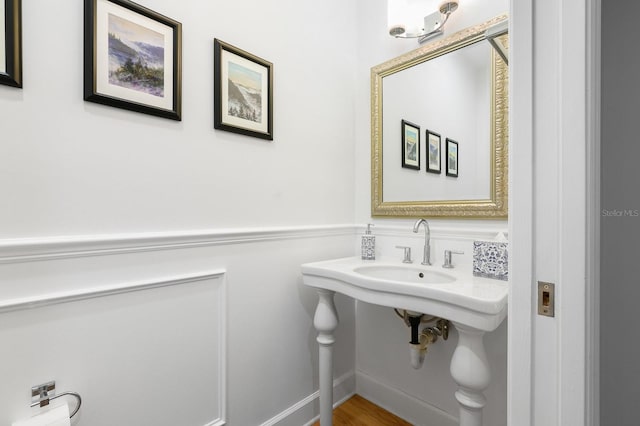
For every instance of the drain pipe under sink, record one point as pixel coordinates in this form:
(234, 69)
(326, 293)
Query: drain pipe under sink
(416, 351)
(420, 341)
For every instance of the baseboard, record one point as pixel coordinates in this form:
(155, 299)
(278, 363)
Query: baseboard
(403, 405)
(309, 407)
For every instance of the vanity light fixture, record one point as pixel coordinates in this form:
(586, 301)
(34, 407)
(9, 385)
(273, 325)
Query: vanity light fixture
(433, 24)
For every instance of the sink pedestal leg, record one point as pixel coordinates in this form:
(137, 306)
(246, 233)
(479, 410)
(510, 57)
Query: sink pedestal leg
(470, 370)
(325, 321)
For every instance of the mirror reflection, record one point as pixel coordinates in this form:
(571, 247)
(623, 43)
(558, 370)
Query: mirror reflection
(453, 102)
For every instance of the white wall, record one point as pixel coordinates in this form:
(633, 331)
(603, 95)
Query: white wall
(72, 167)
(383, 369)
(95, 196)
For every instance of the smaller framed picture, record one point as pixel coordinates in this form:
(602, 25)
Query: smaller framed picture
(410, 145)
(433, 152)
(452, 158)
(11, 43)
(132, 58)
(243, 92)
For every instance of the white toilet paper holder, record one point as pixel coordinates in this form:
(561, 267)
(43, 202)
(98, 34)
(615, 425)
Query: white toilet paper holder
(45, 392)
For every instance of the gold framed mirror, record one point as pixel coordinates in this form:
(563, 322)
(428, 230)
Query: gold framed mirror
(456, 92)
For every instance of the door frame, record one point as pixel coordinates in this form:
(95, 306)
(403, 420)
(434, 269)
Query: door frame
(574, 355)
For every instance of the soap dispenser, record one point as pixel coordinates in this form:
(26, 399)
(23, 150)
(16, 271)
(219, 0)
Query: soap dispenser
(368, 244)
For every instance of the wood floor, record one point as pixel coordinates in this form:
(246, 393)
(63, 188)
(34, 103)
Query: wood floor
(357, 411)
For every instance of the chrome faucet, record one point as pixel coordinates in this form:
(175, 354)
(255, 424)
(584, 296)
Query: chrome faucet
(426, 255)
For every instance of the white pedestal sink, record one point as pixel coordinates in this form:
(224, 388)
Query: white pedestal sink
(474, 305)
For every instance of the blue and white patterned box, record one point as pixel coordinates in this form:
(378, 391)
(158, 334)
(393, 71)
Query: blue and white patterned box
(491, 260)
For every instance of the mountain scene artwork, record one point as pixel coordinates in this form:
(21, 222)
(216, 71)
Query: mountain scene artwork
(136, 57)
(245, 93)
(433, 155)
(412, 145)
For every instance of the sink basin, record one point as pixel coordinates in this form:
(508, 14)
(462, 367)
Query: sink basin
(405, 273)
(455, 294)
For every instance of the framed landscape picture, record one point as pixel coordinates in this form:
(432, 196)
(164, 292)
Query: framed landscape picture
(452, 158)
(433, 152)
(410, 145)
(243, 92)
(11, 43)
(132, 58)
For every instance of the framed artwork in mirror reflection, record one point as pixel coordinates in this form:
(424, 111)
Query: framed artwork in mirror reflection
(410, 145)
(243, 92)
(433, 152)
(11, 43)
(452, 158)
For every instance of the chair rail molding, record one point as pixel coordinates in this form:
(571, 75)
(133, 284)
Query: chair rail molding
(61, 247)
(18, 250)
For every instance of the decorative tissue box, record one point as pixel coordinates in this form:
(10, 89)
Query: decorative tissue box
(491, 260)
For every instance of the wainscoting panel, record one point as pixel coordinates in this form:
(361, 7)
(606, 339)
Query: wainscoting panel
(139, 353)
(188, 328)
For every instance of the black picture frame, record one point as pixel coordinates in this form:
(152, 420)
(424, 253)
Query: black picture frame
(410, 145)
(149, 77)
(11, 67)
(453, 158)
(243, 92)
(434, 152)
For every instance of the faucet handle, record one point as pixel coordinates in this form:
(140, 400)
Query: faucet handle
(447, 258)
(407, 254)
